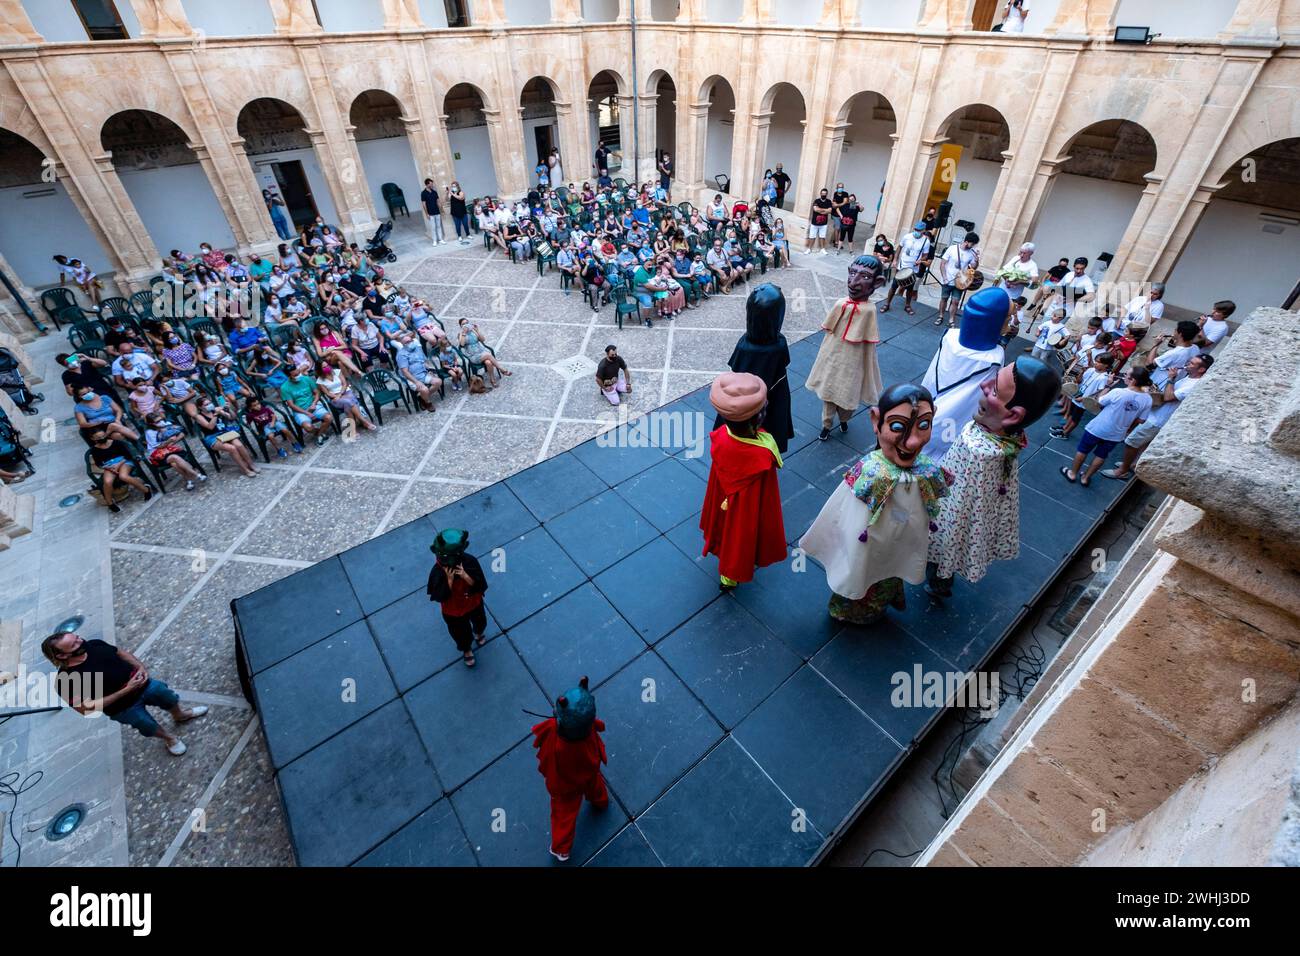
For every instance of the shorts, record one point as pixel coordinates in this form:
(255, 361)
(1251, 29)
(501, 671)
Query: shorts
(463, 628)
(318, 413)
(344, 402)
(947, 291)
(156, 694)
(817, 232)
(1141, 436)
(1101, 447)
(112, 463)
(1073, 413)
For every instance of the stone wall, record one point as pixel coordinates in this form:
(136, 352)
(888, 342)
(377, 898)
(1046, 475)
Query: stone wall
(1203, 650)
(1205, 105)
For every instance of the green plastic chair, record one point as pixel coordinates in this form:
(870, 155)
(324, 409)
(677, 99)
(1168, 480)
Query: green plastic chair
(381, 387)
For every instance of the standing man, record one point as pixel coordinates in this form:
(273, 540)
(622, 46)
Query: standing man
(457, 583)
(121, 684)
(1143, 309)
(819, 221)
(1175, 392)
(956, 259)
(1020, 272)
(847, 370)
(782, 181)
(666, 175)
(912, 253)
(429, 200)
(602, 160)
(569, 754)
(741, 517)
(1077, 287)
(838, 199)
(979, 521)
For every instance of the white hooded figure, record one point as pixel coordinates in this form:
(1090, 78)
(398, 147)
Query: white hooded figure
(966, 357)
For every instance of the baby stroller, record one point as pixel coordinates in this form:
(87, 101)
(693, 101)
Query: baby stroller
(377, 246)
(13, 455)
(11, 380)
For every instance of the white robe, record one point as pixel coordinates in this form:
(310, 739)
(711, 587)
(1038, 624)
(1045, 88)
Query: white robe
(895, 547)
(955, 406)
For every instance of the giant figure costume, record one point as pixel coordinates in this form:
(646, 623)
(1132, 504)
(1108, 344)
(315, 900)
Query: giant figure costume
(569, 754)
(741, 517)
(846, 372)
(872, 533)
(966, 356)
(762, 351)
(979, 521)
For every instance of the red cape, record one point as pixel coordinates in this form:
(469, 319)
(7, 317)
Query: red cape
(569, 766)
(750, 532)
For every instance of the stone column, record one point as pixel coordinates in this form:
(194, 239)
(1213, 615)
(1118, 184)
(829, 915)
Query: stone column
(829, 156)
(947, 16)
(15, 26)
(573, 149)
(1183, 231)
(487, 13)
(691, 142)
(625, 11)
(13, 320)
(692, 11)
(402, 15)
(242, 169)
(17, 515)
(1200, 651)
(750, 153)
(294, 16)
(161, 19)
(1253, 21)
(507, 158)
(813, 145)
(757, 13)
(839, 14)
(426, 129)
(904, 201)
(566, 11)
(139, 256)
(626, 139)
(1039, 190)
(904, 189)
(649, 120)
(1082, 18)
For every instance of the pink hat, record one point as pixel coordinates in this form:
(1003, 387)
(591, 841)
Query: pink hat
(738, 396)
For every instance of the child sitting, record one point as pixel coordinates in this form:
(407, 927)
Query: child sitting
(450, 363)
(270, 426)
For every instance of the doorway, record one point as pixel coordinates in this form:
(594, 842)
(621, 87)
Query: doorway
(545, 136)
(294, 190)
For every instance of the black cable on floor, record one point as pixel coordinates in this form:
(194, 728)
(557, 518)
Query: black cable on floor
(8, 789)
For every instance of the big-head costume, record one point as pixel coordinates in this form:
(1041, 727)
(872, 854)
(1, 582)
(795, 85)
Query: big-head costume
(979, 521)
(846, 372)
(967, 355)
(762, 351)
(569, 754)
(741, 518)
(873, 531)
(461, 599)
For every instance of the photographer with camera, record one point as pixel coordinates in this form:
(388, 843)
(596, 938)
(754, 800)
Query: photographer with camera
(457, 582)
(1014, 15)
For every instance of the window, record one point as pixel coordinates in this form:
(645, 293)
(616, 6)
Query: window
(456, 14)
(100, 19)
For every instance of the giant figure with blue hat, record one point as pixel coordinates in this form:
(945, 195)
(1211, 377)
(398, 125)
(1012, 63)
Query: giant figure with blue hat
(569, 754)
(966, 357)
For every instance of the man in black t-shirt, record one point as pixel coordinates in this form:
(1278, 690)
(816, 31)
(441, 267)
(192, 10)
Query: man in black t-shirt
(612, 375)
(83, 371)
(602, 160)
(782, 180)
(94, 676)
(819, 221)
(432, 211)
(1051, 283)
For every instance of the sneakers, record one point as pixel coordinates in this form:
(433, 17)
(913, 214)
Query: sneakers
(824, 434)
(189, 486)
(1115, 473)
(115, 507)
(562, 857)
(844, 428)
(1057, 432)
(202, 477)
(177, 747)
(281, 453)
(197, 710)
(322, 439)
(297, 447)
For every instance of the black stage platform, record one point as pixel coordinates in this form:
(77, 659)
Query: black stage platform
(725, 713)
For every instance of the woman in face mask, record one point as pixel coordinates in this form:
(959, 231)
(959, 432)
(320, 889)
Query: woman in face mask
(180, 357)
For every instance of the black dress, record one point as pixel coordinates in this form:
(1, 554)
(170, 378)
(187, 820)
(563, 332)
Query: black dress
(763, 351)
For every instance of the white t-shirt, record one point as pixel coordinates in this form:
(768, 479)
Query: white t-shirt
(1214, 331)
(1120, 408)
(911, 249)
(1133, 311)
(1086, 342)
(1030, 268)
(1015, 21)
(1091, 383)
(955, 259)
(1075, 287)
(1182, 389)
(1172, 360)
(1046, 331)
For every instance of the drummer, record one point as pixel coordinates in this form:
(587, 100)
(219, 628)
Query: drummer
(954, 263)
(1052, 335)
(913, 253)
(1098, 376)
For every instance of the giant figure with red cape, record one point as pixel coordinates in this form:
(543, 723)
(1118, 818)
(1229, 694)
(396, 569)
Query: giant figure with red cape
(741, 518)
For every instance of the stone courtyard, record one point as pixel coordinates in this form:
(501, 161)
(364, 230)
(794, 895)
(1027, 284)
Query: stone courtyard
(178, 560)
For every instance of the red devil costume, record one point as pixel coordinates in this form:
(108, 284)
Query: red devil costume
(741, 519)
(569, 754)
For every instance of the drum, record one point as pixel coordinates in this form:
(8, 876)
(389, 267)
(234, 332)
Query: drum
(1058, 339)
(905, 278)
(976, 282)
(1091, 405)
(1157, 396)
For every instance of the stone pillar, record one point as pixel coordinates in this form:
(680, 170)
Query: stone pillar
(294, 16)
(1253, 21)
(507, 158)
(692, 11)
(566, 11)
(242, 169)
(15, 346)
(13, 320)
(487, 13)
(813, 145)
(691, 140)
(757, 13)
(1183, 231)
(1201, 650)
(625, 11)
(17, 515)
(829, 155)
(28, 426)
(139, 256)
(426, 127)
(161, 19)
(626, 139)
(1039, 190)
(15, 26)
(402, 15)
(1082, 18)
(838, 14)
(748, 160)
(948, 16)
(648, 118)
(904, 201)
(904, 189)
(573, 148)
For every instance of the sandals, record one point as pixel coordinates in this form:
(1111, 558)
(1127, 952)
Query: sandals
(1068, 477)
(469, 659)
(909, 310)
(480, 639)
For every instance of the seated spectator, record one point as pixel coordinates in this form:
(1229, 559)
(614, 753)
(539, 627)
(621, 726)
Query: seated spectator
(702, 274)
(144, 398)
(331, 348)
(128, 690)
(134, 364)
(211, 351)
(567, 263)
(246, 338)
(302, 397)
(266, 369)
(367, 342)
(227, 379)
(450, 364)
(474, 347)
(97, 413)
(720, 265)
(271, 426)
(114, 460)
(414, 369)
(297, 356)
(180, 357)
(164, 444)
(341, 396)
(219, 432)
(79, 370)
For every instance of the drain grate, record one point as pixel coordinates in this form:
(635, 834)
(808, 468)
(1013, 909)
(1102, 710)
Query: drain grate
(575, 367)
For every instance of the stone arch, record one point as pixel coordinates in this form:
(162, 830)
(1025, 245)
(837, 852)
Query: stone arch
(377, 125)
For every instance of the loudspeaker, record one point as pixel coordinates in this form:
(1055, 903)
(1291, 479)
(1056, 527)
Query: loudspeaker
(965, 224)
(944, 211)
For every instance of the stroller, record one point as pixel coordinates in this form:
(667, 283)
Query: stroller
(11, 380)
(13, 455)
(377, 246)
